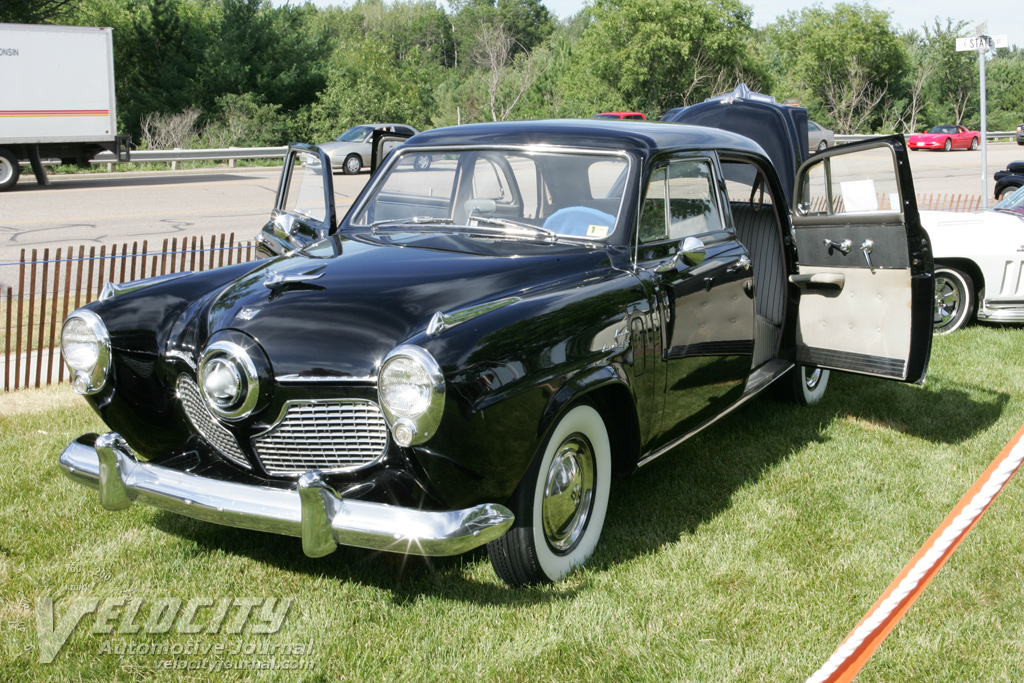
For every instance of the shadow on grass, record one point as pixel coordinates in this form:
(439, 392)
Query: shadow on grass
(406, 577)
(672, 497)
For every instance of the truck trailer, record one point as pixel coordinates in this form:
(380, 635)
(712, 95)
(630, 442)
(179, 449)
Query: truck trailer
(56, 98)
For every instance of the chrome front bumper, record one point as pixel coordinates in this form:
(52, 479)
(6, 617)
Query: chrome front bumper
(313, 512)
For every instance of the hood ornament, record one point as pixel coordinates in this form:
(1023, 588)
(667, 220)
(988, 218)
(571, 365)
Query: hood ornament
(276, 280)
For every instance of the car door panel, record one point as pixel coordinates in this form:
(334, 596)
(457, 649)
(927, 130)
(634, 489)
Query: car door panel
(865, 264)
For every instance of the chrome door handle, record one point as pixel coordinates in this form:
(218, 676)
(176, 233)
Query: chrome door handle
(843, 246)
(866, 248)
(742, 263)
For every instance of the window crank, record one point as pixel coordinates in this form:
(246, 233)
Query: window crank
(866, 248)
(843, 246)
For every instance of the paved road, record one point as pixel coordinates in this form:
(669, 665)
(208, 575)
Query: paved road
(101, 208)
(125, 207)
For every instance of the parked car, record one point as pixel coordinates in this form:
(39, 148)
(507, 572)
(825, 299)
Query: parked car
(1009, 179)
(945, 138)
(621, 115)
(350, 151)
(819, 138)
(1020, 134)
(978, 264)
(477, 350)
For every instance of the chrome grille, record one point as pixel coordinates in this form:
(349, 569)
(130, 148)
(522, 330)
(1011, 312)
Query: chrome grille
(323, 435)
(207, 426)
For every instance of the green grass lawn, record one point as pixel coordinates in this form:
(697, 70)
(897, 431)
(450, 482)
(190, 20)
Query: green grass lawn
(745, 555)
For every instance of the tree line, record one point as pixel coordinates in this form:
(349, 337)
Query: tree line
(247, 73)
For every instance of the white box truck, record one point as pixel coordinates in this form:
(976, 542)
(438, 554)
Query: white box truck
(56, 97)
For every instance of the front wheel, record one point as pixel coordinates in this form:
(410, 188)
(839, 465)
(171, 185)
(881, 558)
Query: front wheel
(353, 164)
(948, 146)
(560, 504)
(823, 145)
(422, 162)
(974, 144)
(954, 300)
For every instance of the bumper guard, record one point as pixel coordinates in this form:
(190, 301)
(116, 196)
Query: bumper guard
(314, 512)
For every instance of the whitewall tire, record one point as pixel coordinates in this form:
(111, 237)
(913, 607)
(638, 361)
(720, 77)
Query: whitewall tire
(954, 300)
(560, 505)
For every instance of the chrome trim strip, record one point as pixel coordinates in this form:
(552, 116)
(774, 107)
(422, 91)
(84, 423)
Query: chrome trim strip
(445, 321)
(112, 289)
(181, 355)
(317, 519)
(298, 379)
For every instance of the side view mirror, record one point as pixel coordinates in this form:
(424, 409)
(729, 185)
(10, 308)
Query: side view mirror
(691, 252)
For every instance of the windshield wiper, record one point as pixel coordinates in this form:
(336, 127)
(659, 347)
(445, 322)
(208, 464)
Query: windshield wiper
(520, 229)
(415, 220)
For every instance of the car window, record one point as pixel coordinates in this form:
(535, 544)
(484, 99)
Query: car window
(568, 193)
(680, 201)
(354, 134)
(860, 182)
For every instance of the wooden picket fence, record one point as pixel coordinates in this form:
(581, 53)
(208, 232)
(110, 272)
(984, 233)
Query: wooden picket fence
(47, 289)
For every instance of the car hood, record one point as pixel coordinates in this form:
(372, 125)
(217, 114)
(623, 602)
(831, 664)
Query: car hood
(952, 233)
(338, 308)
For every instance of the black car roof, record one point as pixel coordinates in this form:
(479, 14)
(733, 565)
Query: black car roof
(646, 137)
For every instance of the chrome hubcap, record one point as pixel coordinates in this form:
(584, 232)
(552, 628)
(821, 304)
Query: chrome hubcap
(568, 493)
(812, 378)
(947, 301)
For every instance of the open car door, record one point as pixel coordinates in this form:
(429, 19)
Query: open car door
(865, 263)
(304, 210)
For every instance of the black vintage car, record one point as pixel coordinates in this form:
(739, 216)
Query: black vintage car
(1009, 179)
(479, 347)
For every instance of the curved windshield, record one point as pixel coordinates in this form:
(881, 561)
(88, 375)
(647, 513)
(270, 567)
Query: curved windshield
(354, 134)
(1013, 202)
(525, 192)
(942, 129)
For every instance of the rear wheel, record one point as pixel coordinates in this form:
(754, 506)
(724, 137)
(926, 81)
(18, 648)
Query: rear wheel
(560, 504)
(422, 162)
(9, 170)
(823, 145)
(974, 144)
(954, 300)
(804, 385)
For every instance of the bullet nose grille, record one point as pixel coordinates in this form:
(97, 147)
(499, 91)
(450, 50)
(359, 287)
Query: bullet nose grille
(323, 435)
(206, 425)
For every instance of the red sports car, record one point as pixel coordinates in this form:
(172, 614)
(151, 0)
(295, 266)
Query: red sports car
(945, 138)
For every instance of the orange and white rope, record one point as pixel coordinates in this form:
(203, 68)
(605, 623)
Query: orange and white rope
(865, 638)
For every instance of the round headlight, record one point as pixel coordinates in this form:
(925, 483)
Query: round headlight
(411, 388)
(85, 344)
(406, 386)
(228, 380)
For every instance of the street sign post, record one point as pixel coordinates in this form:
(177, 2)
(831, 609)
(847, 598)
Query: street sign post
(982, 42)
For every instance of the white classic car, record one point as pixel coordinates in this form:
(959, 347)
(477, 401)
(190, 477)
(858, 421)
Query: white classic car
(979, 264)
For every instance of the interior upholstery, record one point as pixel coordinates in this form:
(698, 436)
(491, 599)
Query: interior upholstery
(758, 229)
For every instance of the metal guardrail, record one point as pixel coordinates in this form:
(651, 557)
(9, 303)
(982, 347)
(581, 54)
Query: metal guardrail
(856, 138)
(234, 153)
(172, 155)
